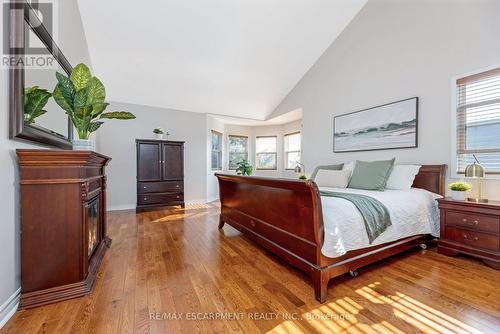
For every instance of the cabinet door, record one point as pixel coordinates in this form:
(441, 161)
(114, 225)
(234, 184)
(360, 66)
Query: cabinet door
(173, 161)
(148, 162)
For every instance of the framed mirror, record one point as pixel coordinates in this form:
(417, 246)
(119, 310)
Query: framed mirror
(33, 75)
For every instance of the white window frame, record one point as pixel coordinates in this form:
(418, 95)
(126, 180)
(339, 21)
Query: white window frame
(219, 153)
(275, 153)
(454, 98)
(285, 152)
(229, 149)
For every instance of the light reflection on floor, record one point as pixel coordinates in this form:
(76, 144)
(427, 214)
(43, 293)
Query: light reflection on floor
(418, 316)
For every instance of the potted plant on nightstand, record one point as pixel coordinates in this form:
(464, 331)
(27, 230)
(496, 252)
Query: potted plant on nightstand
(82, 98)
(244, 168)
(459, 189)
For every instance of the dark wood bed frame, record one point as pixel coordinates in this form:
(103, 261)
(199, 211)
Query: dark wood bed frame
(285, 217)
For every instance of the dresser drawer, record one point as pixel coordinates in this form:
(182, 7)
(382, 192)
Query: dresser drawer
(159, 198)
(472, 238)
(159, 187)
(473, 221)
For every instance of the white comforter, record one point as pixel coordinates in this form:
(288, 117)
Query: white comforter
(412, 212)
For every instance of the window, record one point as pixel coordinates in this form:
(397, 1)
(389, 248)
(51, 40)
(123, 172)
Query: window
(238, 150)
(216, 150)
(478, 121)
(292, 150)
(265, 148)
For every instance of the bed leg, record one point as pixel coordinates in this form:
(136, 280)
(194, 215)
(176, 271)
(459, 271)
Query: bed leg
(221, 222)
(320, 281)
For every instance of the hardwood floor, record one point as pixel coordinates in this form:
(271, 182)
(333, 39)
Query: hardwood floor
(172, 264)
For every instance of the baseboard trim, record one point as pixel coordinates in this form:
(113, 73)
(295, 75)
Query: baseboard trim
(212, 199)
(121, 207)
(133, 206)
(9, 307)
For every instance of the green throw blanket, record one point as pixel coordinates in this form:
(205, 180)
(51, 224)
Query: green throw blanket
(375, 214)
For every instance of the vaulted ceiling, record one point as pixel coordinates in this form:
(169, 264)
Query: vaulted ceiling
(228, 57)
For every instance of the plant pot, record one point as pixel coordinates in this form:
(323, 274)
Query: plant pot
(83, 145)
(458, 195)
(158, 136)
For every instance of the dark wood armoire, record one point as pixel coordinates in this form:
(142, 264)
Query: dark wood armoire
(160, 173)
(63, 223)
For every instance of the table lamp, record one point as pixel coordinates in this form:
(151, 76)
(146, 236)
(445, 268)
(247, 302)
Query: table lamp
(300, 169)
(476, 171)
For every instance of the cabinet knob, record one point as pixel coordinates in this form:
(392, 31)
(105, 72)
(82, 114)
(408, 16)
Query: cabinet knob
(177, 186)
(466, 237)
(145, 198)
(145, 187)
(475, 222)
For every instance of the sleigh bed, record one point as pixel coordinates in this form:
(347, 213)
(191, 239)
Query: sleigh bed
(285, 216)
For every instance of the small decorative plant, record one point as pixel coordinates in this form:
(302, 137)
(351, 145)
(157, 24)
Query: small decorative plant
(302, 177)
(158, 132)
(35, 100)
(82, 97)
(460, 186)
(244, 168)
(458, 190)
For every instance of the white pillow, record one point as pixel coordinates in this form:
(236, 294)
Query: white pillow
(332, 178)
(349, 166)
(402, 177)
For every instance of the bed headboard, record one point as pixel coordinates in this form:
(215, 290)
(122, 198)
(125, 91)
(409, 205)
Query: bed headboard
(431, 178)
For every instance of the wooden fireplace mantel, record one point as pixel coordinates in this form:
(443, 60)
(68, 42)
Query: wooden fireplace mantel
(63, 223)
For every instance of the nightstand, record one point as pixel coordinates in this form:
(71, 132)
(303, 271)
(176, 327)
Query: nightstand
(470, 228)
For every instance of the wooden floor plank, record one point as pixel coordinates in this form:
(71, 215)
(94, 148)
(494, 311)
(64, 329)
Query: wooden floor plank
(173, 271)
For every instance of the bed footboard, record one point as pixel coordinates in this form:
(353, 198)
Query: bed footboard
(282, 215)
(285, 216)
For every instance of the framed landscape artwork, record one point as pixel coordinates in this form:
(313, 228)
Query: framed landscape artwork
(389, 126)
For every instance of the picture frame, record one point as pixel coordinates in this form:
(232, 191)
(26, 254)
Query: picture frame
(388, 126)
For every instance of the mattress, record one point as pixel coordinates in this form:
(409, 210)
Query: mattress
(414, 211)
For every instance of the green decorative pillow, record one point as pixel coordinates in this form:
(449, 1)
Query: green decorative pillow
(371, 175)
(327, 167)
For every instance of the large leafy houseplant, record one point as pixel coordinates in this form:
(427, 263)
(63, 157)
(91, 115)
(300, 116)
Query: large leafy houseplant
(35, 100)
(82, 97)
(244, 168)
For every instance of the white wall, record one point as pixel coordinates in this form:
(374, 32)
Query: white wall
(390, 51)
(10, 264)
(117, 140)
(270, 130)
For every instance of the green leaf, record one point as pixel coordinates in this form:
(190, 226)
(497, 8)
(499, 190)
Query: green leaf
(34, 101)
(118, 115)
(80, 76)
(80, 100)
(98, 108)
(94, 126)
(96, 91)
(66, 86)
(83, 112)
(61, 100)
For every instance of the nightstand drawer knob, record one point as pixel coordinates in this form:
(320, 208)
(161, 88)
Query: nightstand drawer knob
(473, 223)
(466, 237)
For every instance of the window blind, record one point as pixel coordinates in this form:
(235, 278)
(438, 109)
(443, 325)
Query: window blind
(478, 121)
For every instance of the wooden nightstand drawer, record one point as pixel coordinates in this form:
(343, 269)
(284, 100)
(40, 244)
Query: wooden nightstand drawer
(473, 239)
(473, 221)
